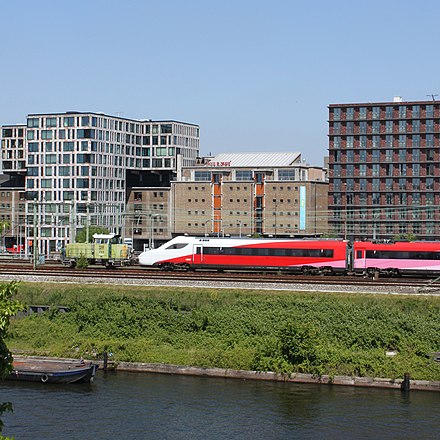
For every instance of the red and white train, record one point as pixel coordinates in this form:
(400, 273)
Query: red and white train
(318, 256)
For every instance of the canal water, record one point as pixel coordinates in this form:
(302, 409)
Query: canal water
(153, 406)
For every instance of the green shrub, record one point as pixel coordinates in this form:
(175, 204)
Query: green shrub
(82, 262)
(264, 331)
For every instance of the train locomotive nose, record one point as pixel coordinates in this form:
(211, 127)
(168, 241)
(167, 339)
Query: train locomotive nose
(146, 258)
(143, 259)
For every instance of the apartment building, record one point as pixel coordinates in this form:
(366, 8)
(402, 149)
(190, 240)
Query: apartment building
(270, 194)
(384, 173)
(78, 168)
(149, 224)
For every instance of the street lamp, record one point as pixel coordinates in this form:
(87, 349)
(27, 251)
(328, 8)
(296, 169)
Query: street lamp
(152, 216)
(205, 223)
(239, 225)
(314, 201)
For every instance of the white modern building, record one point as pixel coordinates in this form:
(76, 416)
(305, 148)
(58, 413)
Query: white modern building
(76, 168)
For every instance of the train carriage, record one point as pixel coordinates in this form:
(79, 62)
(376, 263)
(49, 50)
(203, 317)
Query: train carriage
(306, 256)
(400, 258)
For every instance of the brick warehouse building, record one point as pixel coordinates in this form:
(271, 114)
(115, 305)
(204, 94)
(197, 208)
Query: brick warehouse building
(269, 194)
(384, 169)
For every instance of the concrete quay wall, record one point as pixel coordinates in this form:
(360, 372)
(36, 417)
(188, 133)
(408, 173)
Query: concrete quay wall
(279, 377)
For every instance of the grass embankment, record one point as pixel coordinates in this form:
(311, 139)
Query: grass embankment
(336, 334)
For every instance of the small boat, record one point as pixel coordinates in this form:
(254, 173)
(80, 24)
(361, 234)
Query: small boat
(52, 371)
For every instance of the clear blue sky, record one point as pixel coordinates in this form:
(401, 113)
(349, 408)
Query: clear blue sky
(255, 75)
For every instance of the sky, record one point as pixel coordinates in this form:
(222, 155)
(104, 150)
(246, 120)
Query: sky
(255, 75)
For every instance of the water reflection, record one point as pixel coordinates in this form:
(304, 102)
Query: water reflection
(148, 406)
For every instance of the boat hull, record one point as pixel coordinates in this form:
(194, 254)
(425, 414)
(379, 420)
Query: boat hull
(37, 370)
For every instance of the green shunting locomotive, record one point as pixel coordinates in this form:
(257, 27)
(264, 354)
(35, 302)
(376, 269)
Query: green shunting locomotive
(106, 250)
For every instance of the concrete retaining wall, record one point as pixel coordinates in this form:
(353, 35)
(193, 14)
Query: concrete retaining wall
(295, 377)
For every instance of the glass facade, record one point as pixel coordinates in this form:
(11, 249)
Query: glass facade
(85, 159)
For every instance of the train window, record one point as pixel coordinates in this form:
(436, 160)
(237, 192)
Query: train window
(263, 252)
(404, 255)
(177, 246)
(279, 252)
(359, 254)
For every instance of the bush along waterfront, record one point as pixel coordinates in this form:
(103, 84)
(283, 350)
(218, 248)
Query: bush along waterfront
(334, 334)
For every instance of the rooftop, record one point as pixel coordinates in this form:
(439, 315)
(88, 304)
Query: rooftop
(255, 160)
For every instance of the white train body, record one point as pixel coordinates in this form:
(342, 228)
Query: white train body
(185, 252)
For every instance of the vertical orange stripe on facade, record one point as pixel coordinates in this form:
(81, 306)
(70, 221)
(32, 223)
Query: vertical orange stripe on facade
(217, 206)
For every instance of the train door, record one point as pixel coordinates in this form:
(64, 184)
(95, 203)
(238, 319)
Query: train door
(360, 261)
(349, 266)
(197, 254)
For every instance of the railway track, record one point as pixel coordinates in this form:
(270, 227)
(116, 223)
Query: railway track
(137, 273)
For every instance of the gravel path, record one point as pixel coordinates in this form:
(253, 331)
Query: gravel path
(374, 288)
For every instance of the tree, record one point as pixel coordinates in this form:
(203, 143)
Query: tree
(81, 236)
(405, 237)
(8, 308)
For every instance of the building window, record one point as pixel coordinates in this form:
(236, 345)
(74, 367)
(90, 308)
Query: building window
(286, 174)
(430, 111)
(33, 123)
(243, 175)
(33, 147)
(46, 183)
(376, 198)
(202, 176)
(429, 140)
(336, 114)
(68, 121)
(402, 169)
(51, 122)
